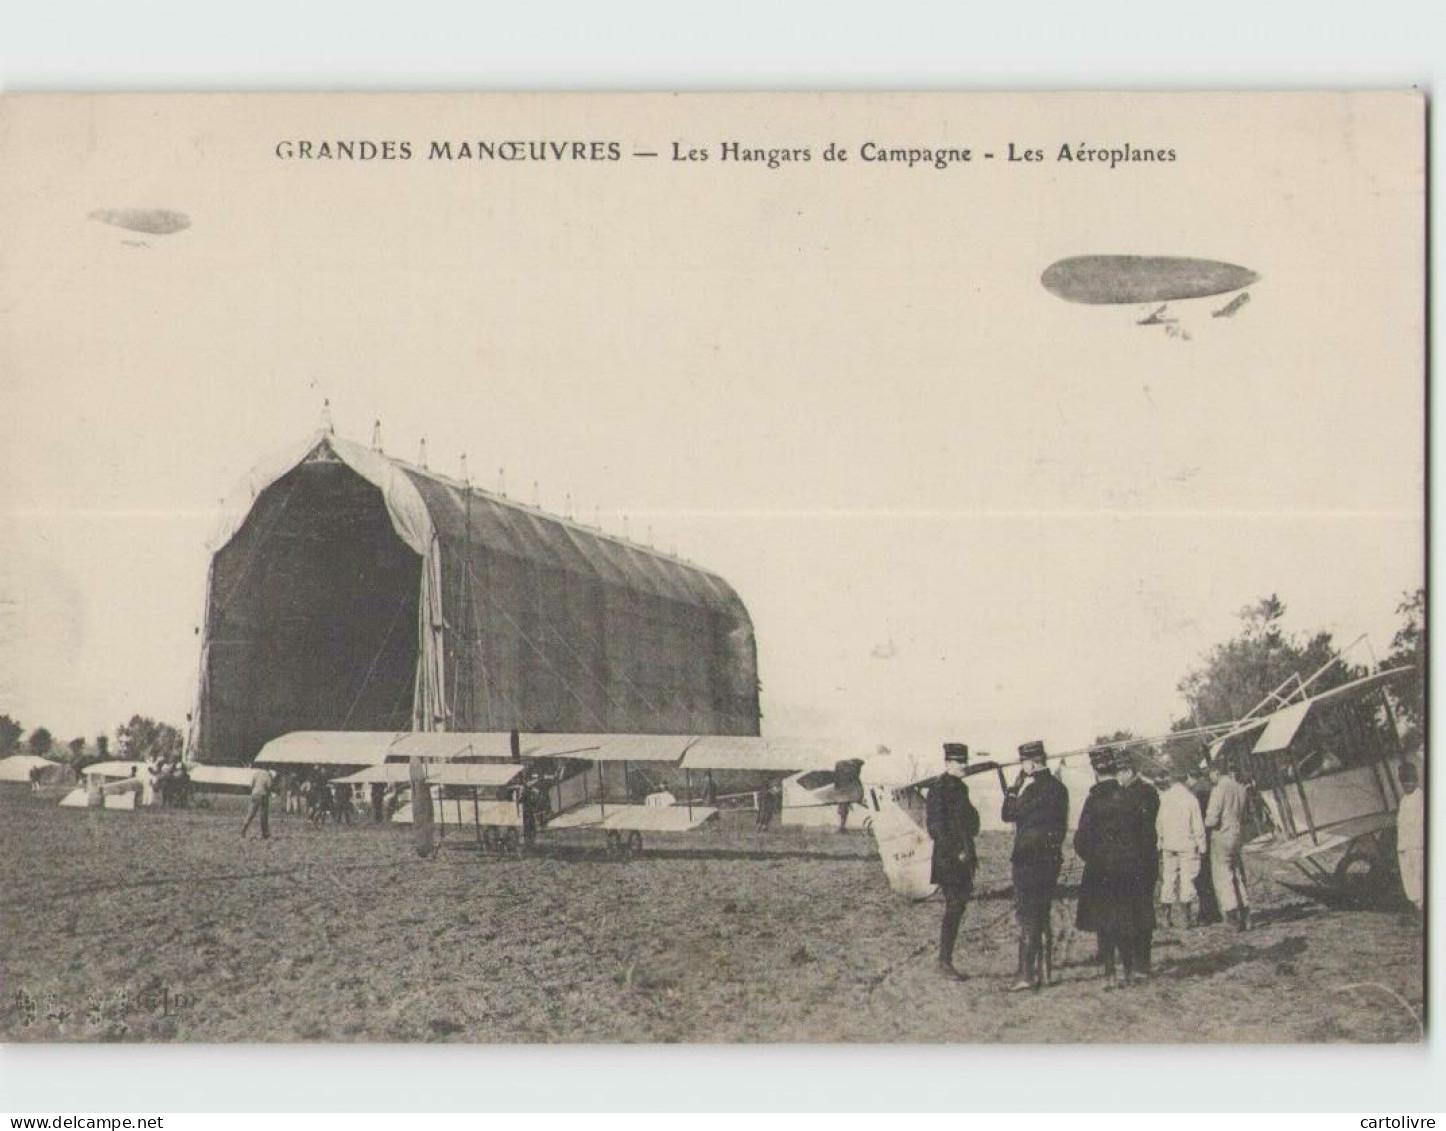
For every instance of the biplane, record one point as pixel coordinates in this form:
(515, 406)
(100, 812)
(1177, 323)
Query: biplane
(109, 785)
(1321, 766)
(622, 785)
(1325, 768)
(626, 786)
(591, 782)
(127, 784)
(20, 767)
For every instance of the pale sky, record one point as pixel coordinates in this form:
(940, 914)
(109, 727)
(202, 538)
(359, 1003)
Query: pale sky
(955, 505)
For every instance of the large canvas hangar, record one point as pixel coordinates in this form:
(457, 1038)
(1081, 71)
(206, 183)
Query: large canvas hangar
(354, 592)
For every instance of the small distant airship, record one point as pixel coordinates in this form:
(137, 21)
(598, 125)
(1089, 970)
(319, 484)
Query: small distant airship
(151, 221)
(1126, 279)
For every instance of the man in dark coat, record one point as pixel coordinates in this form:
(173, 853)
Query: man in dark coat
(1116, 841)
(952, 823)
(1144, 795)
(1038, 807)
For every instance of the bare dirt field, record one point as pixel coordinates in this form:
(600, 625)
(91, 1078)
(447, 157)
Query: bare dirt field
(166, 926)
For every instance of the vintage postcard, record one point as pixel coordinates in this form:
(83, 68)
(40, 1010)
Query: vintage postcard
(713, 568)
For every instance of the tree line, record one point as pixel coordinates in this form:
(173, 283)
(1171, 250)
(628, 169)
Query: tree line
(1264, 660)
(1235, 677)
(140, 739)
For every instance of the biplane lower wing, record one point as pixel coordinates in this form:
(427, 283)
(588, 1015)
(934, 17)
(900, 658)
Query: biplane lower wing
(112, 799)
(465, 812)
(634, 818)
(655, 818)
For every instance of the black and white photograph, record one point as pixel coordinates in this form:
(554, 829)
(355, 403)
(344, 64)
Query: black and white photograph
(713, 568)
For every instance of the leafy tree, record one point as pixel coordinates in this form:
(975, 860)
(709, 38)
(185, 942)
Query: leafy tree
(77, 749)
(102, 746)
(1240, 673)
(1184, 751)
(40, 741)
(143, 738)
(1144, 755)
(10, 732)
(1408, 649)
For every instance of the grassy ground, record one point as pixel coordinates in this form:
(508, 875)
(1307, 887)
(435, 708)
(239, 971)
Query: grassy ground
(167, 926)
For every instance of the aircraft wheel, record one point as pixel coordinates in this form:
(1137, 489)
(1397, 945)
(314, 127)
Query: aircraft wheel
(635, 844)
(1362, 873)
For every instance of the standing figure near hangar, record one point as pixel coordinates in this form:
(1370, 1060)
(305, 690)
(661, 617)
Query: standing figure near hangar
(358, 592)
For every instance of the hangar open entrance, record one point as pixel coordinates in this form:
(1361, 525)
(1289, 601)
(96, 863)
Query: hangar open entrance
(351, 591)
(312, 617)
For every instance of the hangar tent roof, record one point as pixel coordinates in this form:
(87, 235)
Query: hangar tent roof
(520, 619)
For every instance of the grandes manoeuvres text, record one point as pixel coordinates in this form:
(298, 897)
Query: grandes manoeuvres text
(874, 154)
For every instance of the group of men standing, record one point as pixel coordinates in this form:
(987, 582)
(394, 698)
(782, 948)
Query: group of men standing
(1132, 838)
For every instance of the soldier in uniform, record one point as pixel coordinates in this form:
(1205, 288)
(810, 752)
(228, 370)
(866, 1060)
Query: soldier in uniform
(1038, 807)
(1116, 841)
(952, 823)
(1145, 797)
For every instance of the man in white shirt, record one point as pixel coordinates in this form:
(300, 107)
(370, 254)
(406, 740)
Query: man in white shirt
(260, 802)
(1411, 836)
(1225, 818)
(1181, 832)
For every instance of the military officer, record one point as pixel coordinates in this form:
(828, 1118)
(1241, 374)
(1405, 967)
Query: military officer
(1116, 841)
(1145, 798)
(1037, 805)
(952, 823)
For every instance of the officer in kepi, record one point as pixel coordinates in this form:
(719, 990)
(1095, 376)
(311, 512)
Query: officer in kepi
(1037, 805)
(952, 823)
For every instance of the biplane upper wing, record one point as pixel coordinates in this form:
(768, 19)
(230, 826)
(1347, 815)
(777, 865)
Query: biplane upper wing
(388, 773)
(484, 775)
(784, 755)
(115, 769)
(372, 748)
(607, 747)
(1281, 727)
(695, 752)
(228, 777)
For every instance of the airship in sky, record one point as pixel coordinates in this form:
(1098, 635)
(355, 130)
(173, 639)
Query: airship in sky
(1123, 279)
(151, 221)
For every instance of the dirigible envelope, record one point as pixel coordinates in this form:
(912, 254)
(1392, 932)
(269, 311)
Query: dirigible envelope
(1106, 279)
(150, 221)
